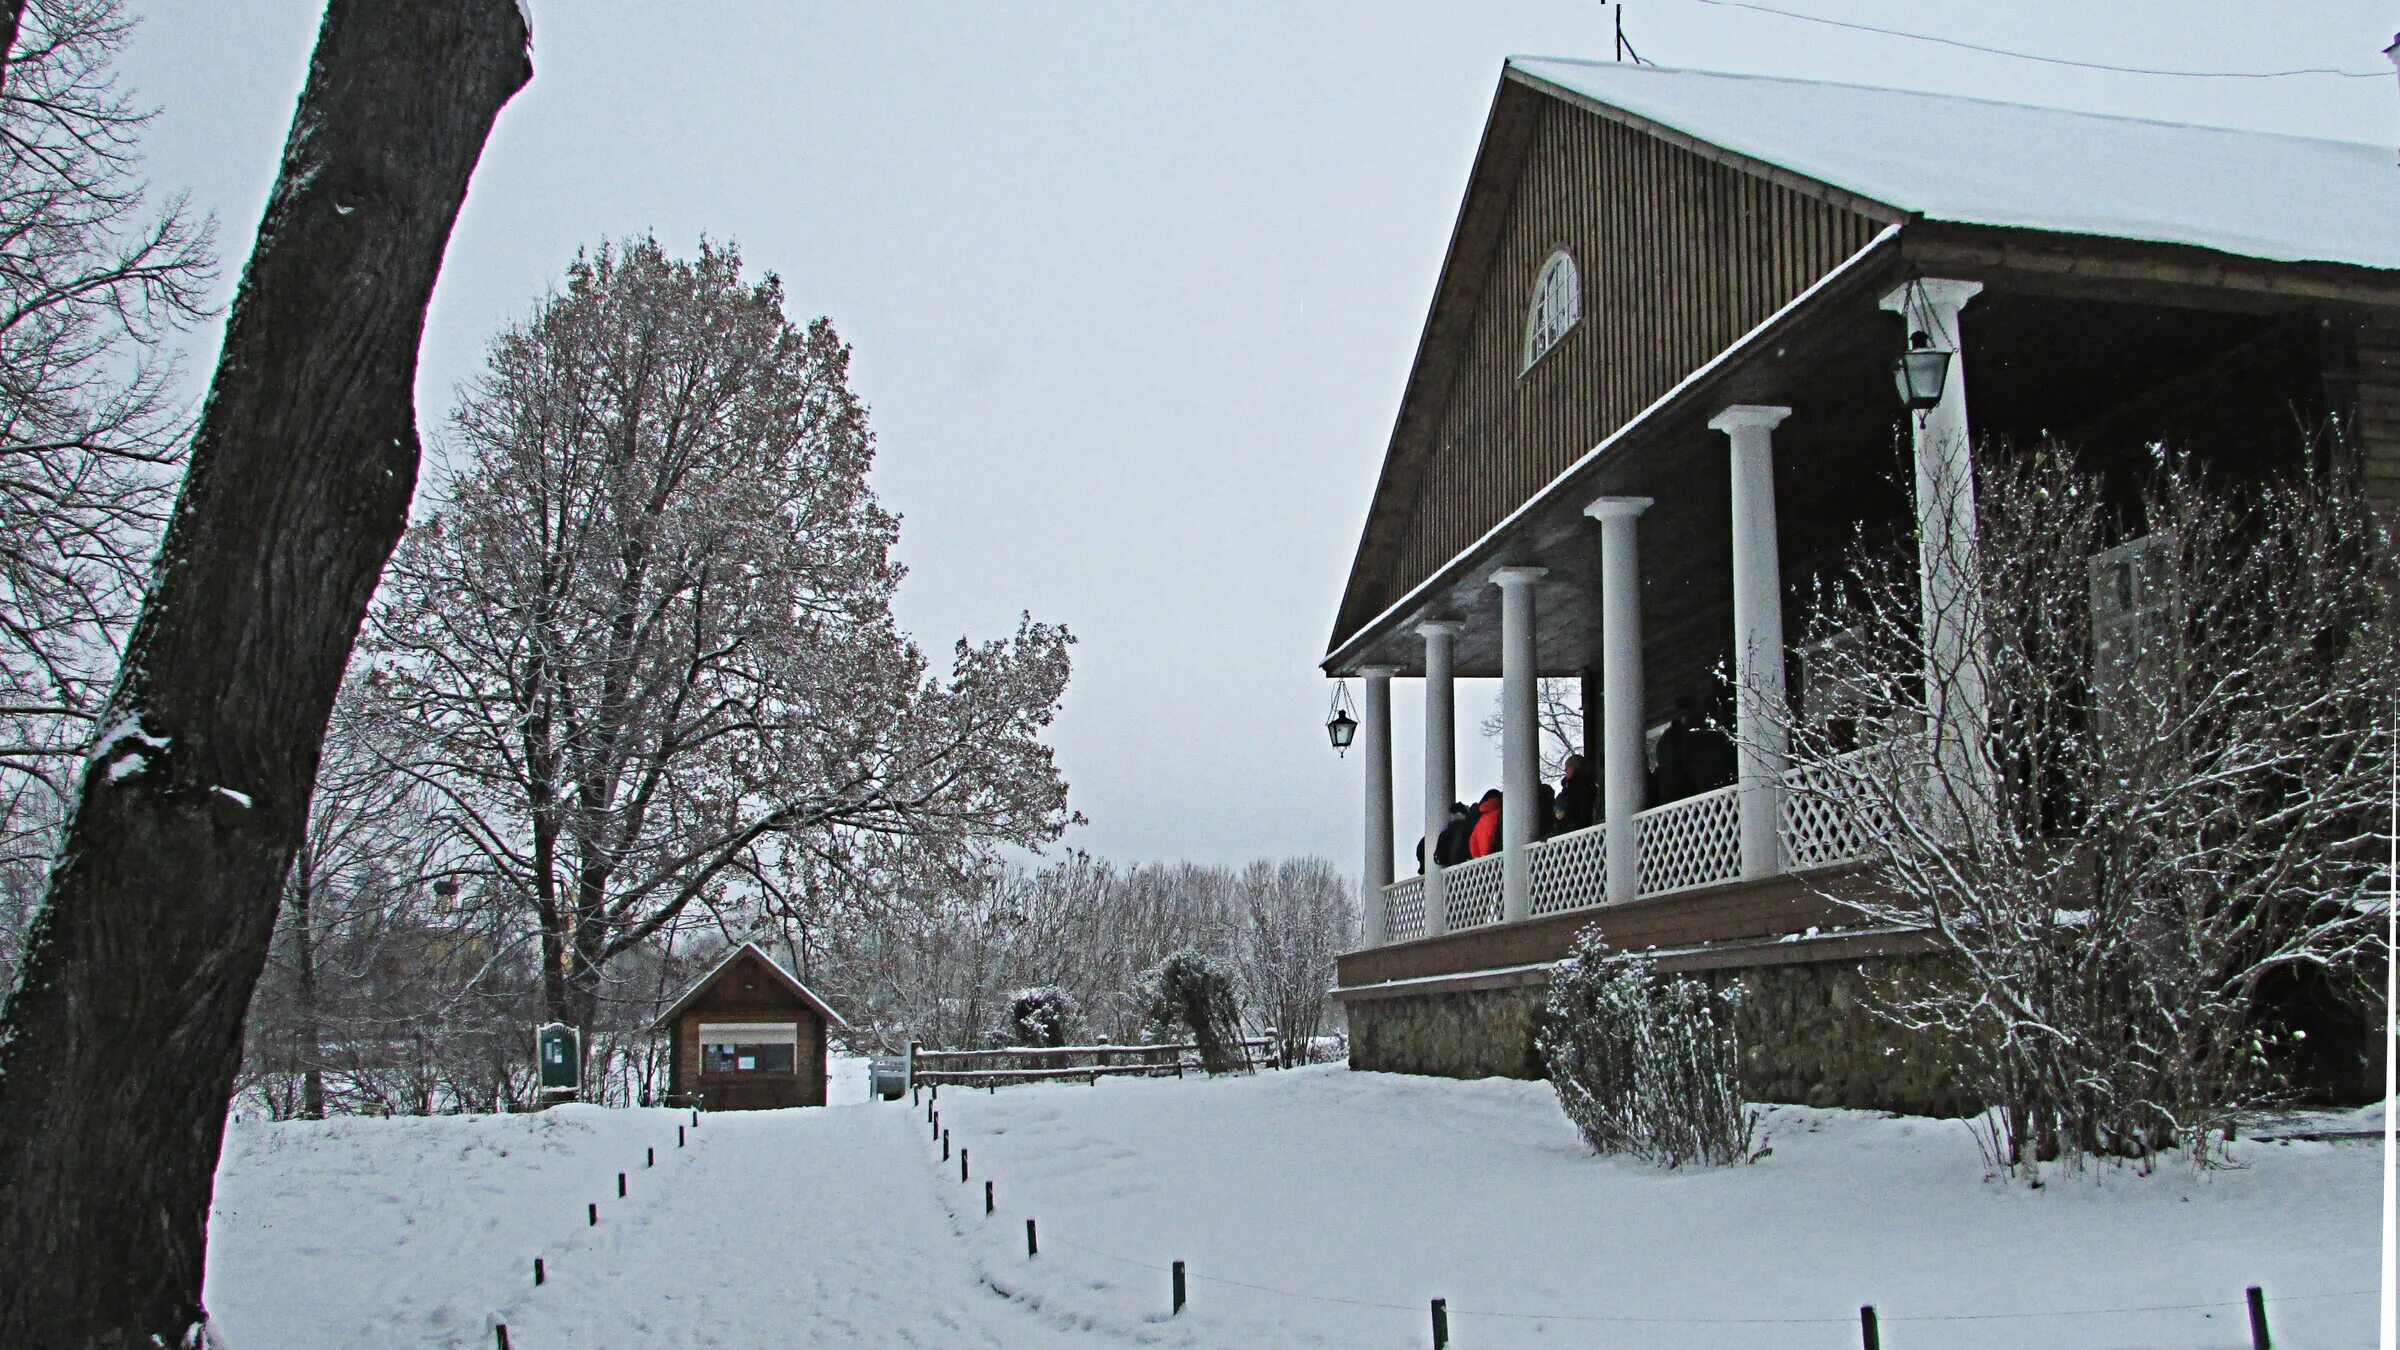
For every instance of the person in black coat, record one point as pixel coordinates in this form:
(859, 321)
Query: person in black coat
(1674, 779)
(1576, 801)
(1450, 847)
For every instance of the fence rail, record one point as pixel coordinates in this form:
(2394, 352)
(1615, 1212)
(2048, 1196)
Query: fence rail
(1031, 1063)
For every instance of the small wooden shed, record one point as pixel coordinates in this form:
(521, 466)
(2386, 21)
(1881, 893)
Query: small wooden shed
(747, 1037)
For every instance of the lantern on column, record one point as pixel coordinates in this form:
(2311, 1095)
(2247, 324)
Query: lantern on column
(1923, 366)
(1342, 726)
(1920, 372)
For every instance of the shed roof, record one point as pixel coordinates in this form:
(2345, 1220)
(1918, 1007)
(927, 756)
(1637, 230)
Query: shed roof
(1974, 161)
(773, 966)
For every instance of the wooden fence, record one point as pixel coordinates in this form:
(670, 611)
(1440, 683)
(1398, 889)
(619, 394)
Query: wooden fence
(1032, 1063)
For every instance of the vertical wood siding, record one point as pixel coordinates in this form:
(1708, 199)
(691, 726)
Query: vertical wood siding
(2375, 417)
(1678, 256)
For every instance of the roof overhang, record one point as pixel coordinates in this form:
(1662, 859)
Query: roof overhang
(774, 967)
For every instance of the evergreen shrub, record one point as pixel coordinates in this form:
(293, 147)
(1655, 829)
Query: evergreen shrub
(1645, 1064)
(1192, 993)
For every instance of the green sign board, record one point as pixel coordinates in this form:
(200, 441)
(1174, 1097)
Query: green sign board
(559, 1052)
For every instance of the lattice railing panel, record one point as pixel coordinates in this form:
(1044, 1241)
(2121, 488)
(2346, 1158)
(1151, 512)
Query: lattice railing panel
(1693, 842)
(1404, 910)
(1831, 816)
(1570, 871)
(1472, 890)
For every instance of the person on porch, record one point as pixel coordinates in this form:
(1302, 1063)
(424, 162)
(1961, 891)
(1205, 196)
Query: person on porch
(1575, 795)
(1450, 847)
(1485, 841)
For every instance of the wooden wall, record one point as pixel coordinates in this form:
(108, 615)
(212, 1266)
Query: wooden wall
(2375, 405)
(1679, 256)
(746, 991)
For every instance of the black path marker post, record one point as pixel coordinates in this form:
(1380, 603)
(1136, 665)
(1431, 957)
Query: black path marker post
(591, 1215)
(540, 1276)
(1868, 1334)
(679, 1136)
(945, 1146)
(620, 1185)
(649, 1157)
(1179, 1288)
(1033, 1245)
(987, 1197)
(962, 1164)
(2259, 1339)
(500, 1334)
(1441, 1322)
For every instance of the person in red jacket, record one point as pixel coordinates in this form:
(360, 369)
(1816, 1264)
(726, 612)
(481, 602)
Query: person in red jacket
(1485, 841)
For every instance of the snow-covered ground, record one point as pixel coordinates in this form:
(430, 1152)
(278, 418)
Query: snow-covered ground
(1314, 1208)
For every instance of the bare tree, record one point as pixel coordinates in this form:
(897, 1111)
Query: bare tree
(1557, 720)
(93, 278)
(646, 644)
(121, 1041)
(2166, 807)
(1297, 916)
(370, 843)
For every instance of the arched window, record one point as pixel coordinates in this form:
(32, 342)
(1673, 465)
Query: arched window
(1557, 304)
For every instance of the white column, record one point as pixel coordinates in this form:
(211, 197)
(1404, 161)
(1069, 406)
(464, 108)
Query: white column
(1761, 745)
(1947, 589)
(1520, 746)
(1441, 763)
(1377, 735)
(1623, 755)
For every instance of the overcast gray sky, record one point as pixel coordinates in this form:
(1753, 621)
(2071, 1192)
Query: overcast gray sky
(1133, 287)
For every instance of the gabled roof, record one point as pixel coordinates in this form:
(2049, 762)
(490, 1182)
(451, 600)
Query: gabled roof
(807, 995)
(1973, 161)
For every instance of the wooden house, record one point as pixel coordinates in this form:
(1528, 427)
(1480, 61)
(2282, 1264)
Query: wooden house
(747, 1037)
(1654, 398)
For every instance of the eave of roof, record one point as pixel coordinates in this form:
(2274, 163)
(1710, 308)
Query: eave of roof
(1976, 161)
(789, 980)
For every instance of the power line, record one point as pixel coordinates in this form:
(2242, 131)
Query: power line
(2055, 60)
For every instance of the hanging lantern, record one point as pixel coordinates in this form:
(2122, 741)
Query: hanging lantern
(1342, 726)
(1921, 371)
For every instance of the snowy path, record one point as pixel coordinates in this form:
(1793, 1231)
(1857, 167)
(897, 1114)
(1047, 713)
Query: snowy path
(786, 1228)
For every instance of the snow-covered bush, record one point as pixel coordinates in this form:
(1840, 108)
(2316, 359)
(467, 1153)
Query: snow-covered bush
(1644, 1064)
(1192, 993)
(1044, 1015)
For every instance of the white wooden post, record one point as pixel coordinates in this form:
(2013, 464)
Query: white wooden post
(1520, 745)
(1624, 756)
(1762, 748)
(1441, 762)
(1948, 588)
(1377, 738)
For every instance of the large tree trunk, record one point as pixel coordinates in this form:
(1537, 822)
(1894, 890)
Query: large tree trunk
(118, 1050)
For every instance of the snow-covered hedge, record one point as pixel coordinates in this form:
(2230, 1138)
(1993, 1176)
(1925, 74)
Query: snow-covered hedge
(1044, 1015)
(1192, 993)
(1644, 1064)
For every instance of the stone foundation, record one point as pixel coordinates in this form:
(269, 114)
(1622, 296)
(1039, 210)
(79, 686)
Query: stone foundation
(1482, 1033)
(1805, 1031)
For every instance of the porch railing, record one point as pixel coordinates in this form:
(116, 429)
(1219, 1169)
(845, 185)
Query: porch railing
(1404, 910)
(1695, 842)
(1473, 892)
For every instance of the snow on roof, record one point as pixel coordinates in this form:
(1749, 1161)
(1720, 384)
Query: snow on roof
(2258, 194)
(823, 1008)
